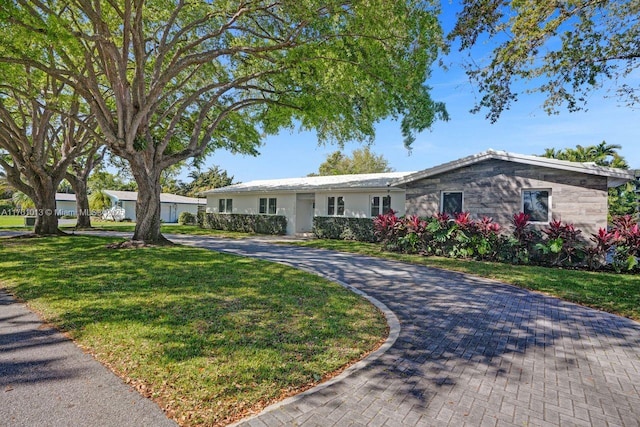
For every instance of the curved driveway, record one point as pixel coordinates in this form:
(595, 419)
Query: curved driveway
(470, 351)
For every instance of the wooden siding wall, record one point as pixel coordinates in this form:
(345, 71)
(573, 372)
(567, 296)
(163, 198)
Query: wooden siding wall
(494, 188)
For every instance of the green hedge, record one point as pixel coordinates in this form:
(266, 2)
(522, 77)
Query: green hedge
(186, 218)
(260, 224)
(344, 228)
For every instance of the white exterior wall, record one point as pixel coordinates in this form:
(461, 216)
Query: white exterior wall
(65, 207)
(129, 207)
(250, 204)
(358, 204)
(170, 212)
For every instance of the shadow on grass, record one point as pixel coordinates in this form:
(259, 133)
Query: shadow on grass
(208, 325)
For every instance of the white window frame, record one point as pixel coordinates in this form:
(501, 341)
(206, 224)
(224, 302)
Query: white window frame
(336, 205)
(381, 198)
(443, 192)
(549, 195)
(225, 205)
(269, 207)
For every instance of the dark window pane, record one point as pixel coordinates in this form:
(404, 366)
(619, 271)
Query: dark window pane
(221, 205)
(375, 206)
(272, 206)
(536, 205)
(331, 205)
(340, 205)
(263, 206)
(452, 202)
(386, 204)
(229, 206)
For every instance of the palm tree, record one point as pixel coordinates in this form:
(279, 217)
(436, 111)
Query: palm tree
(22, 201)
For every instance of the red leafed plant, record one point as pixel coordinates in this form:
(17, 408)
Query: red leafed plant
(487, 227)
(463, 220)
(520, 222)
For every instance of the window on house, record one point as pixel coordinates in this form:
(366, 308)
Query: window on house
(268, 206)
(340, 206)
(451, 203)
(375, 205)
(335, 205)
(225, 205)
(535, 203)
(386, 204)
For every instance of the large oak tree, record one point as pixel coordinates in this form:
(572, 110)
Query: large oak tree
(563, 49)
(42, 130)
(172, 79)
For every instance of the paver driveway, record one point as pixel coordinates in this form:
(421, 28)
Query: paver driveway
(470, 352)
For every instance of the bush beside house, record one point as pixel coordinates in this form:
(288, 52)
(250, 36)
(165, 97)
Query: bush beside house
(558, 245)
(344, 228)
(247, 223)
(187, 218)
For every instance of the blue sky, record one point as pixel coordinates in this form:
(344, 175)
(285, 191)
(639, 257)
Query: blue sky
(524, 129)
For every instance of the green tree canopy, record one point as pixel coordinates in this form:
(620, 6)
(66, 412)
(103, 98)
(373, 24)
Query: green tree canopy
(361, 161)
(214, 177)
(172, 80)
(565, 49)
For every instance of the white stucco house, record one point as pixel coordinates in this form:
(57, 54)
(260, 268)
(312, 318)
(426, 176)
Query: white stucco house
(123, 205)
(65, 204)
(302, 199)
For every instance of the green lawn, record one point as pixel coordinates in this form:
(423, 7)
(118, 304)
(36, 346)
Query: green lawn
(165, 228)
(615, 293)
(11, 221)
(209, 336)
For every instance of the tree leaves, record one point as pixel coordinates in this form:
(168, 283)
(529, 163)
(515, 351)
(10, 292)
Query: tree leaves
(565, 49)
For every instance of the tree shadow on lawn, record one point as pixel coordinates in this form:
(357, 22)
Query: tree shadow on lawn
(188, 315)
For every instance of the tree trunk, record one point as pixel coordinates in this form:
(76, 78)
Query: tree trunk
(46, 215)
(82, 202)
(148, 206)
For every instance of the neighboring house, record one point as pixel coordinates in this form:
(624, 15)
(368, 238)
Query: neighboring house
(498, 184)
(123, 205)
(302, 199)
(65, 204)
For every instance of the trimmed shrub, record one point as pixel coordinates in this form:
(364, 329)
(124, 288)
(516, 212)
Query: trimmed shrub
(186, 218)
(247, 223)
(344, 228)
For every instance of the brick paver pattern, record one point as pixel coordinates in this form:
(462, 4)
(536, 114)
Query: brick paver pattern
(470, 352)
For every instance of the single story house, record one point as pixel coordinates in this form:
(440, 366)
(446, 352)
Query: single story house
(123, 205)
(493, 183)
(302, 199)
(65, 204)
(499, 184)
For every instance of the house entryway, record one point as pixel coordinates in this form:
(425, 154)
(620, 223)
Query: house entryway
(305, 204)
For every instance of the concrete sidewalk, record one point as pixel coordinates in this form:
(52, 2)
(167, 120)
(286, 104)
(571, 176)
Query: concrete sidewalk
(46, 380)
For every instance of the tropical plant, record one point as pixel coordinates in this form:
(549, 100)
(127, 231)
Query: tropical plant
(562, 245)
(626, 235)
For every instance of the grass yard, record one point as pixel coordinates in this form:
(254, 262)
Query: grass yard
(165, 228)
(12, 221)
(615, 293)
(209, 336)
